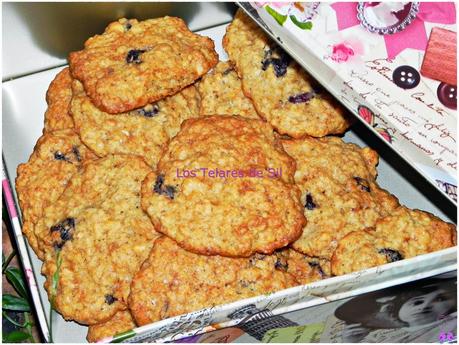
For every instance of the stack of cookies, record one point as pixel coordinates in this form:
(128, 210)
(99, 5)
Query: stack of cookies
(167, 182)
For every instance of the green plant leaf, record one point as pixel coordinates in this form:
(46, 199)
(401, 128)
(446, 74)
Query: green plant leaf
(10, 302)
(3, 258)
(16, 278)
(280, 18)
(301, 25)
(15, 337)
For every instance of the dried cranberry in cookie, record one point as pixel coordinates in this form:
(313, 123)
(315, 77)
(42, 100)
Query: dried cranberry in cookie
(135, 63)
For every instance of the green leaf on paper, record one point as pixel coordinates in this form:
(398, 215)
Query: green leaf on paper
(10, 302)
(280, 18)
(301, 25)
(15, 337)
(123, 336)
(16, 278)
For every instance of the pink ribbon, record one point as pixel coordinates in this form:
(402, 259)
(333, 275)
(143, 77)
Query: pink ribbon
(414, 36)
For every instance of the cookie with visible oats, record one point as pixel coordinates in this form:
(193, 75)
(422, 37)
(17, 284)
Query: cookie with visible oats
(121, 322)
(281, 91)
(223, 209)
(339, 191)
(304, 268)
(96, 236)
(403, 234)
(221, 93)
(58, 97)
(174, 281)
(39, 183)
(144, 132)
(135, 63)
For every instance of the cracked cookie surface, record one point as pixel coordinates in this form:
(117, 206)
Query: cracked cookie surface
(121, 322)
(42, 179)
(174, 281)
(403, 234)
(235, 215)
(339, 191)
(58, 97)
(281, 91)
(144, 132)
(135, 63)
(221, 93)
(97, 237)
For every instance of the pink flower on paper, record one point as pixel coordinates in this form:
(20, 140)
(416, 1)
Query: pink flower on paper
(342, 52)
(30, 277)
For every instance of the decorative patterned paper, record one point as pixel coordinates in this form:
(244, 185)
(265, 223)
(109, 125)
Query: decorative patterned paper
(299, 334)
(357, 67)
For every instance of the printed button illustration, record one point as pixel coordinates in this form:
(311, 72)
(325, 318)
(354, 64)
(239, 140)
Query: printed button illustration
(406, 77)
(447, 95)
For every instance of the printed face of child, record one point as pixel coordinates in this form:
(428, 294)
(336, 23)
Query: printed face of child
(426, 308)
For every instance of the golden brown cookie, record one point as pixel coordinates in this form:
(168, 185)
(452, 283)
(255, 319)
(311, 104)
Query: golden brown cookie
(281, 91)
(221, 93)
(121, 322)
(304, 268)
(56, 157)
(96, 237)
(144, 132)
(339, 191)
(58, 97)
(135, 63)
(205, 196)
(174, 281)
(403, 234)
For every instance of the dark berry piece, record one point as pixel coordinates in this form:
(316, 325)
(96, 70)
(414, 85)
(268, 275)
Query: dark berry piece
(58, 155)
(65, 228)
(162, 189)
(127, 26)
(76, 153)
(406, 77)
(158, 184)
(169, 191)
(310, 205)
(302, 97)
(133, 56)
(391, 255)
(280, 65)
(110, 299)
(362, 183)
(228, 71)
(281, 264)
(316, 265)
(149, 110)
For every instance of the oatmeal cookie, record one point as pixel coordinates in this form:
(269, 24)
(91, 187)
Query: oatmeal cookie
(403, 234)
(56, 157)
(221, 93)
(339, 191)
(97, 237)
(144, 132)
(135, 63)
(58, 97)
(304, 268)
(174, 281)
(222, 209)
(121, 322)
(281, 91)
